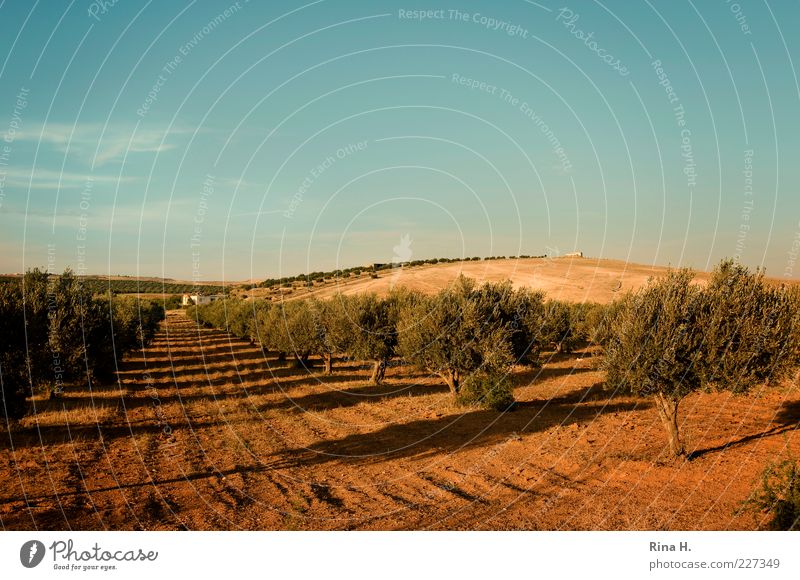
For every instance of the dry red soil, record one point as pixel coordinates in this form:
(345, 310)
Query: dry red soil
(205, 431)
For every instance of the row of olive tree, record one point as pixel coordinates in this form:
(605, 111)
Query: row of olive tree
(54, 331)
(467, 334)
(675, 337)
(671, 338)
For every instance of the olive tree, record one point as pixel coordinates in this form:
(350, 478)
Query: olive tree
(751, 329)
(333, 326)
(454, 334)
(598, 323)
(77, 324)
(521, 311)
(35, 290)
(258, 324)
(375, 336)
(657, 347)
(239, 316)
(562, 324)
(15, 382)
(674, 337)
(290, 328)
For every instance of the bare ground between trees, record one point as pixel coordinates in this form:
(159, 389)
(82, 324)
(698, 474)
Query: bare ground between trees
(207, 432)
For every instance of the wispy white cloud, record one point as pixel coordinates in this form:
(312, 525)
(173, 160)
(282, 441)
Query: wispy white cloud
(97, 145)
(49, 179)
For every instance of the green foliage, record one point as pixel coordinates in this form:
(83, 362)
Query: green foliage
(656, 344)
(101, 285)
(490, 390)
(55, 331)
(334, 327)
(779, 495)
(454, 334)
(375, 333)
(561, 325)
(76, 323)
(258, 328)
(232, 314)
(15, 384)
(239, 316)
(751, 330)
(290, 328)
(34, 289)
(674, 337)
(172, 302)
(114, 326)
(520, 311)
(599, 320)
(375, 328)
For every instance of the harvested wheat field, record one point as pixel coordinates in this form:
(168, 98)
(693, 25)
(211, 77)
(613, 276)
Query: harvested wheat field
(571, 279)
(207, 432)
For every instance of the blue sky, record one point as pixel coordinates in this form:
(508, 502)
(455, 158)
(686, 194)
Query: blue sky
(224, 140)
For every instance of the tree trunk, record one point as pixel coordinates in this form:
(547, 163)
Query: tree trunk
(378, 372)
(668, 412)
(281, 357)
(301, 360)
(328, 363)
(451, 378)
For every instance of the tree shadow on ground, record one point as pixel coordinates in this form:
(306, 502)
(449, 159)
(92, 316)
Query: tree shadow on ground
(353, 396)
(786, 419)
(535, 375)
(449, 434)
(416, 439)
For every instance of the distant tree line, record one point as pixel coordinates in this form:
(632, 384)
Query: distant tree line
(132, 286)
(312, 277)
(54, 330)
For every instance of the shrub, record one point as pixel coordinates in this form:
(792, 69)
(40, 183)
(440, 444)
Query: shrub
(36, 331)
(114, 326)
(490, 390)
(173, 302)
(77, 324)
(258, 326)
(239, 317)
(54, 331)
(779, 495)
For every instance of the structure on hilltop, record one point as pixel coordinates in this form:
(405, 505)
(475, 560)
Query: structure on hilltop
(199, 299)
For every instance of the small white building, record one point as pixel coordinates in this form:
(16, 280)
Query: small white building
(574, 255)
(199, 299)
